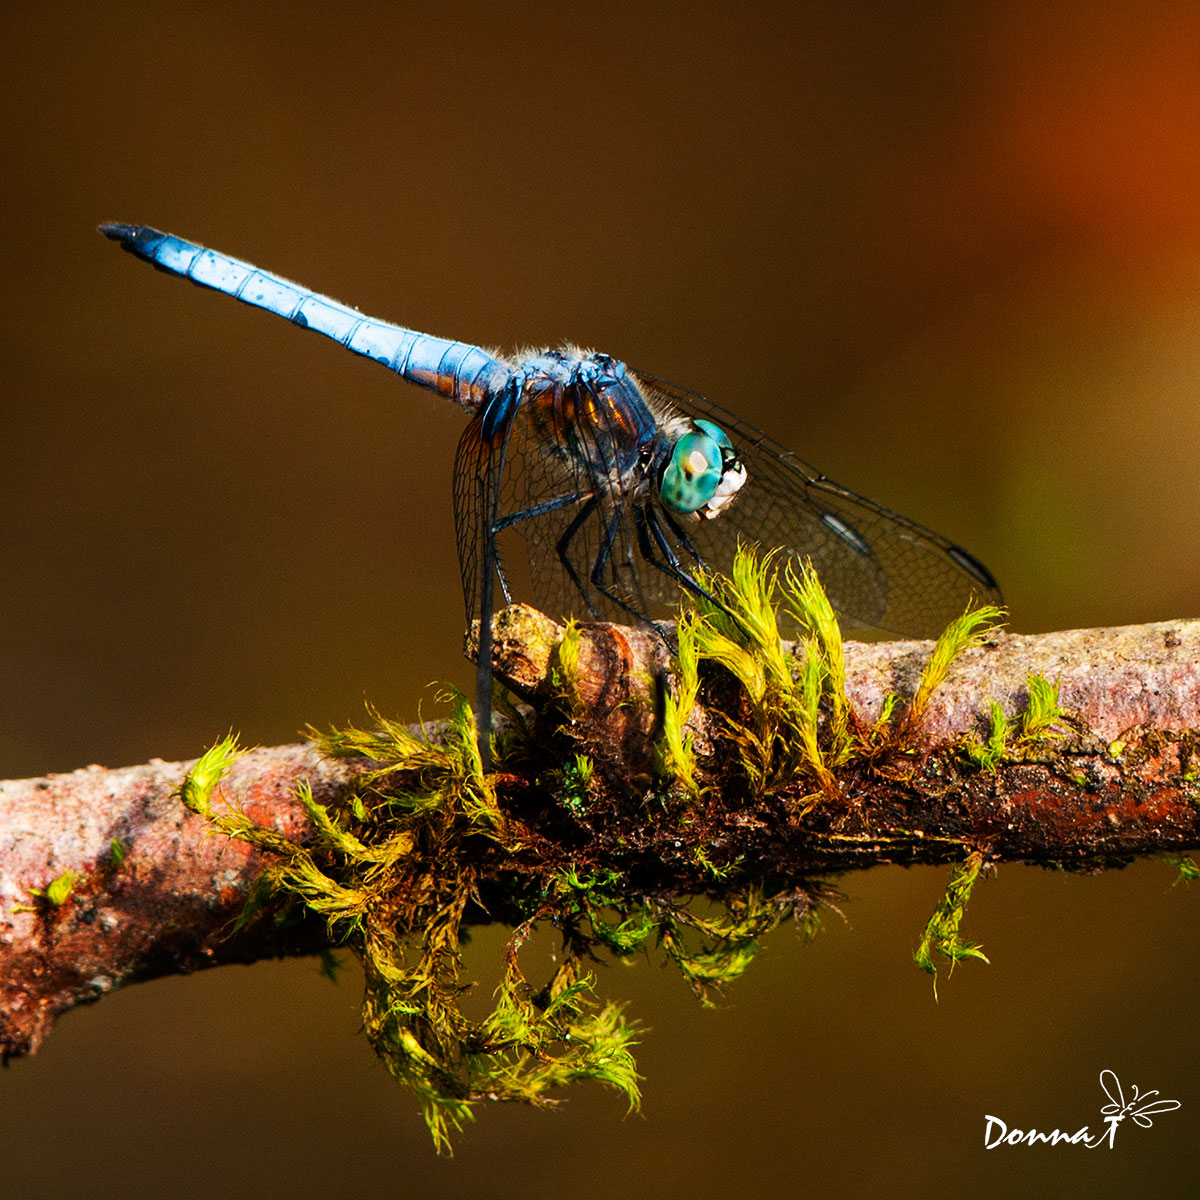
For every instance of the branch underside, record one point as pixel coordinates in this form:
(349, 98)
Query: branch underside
(152, 893)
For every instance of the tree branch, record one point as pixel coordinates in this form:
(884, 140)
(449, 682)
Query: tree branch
(151, 893)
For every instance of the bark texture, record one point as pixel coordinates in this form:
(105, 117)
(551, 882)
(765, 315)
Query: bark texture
(166, 909)
(1121, 782)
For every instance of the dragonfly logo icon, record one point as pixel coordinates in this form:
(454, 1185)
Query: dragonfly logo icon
(1140, 1107)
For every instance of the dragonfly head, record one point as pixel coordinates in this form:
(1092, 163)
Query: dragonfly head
(703, 473)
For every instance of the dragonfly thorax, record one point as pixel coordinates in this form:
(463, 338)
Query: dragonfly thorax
(589, 412)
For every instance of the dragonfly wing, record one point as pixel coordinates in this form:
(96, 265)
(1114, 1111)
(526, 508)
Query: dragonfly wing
(1112, 1088)
(884, 573)
(1142, 1115)
(478, 475)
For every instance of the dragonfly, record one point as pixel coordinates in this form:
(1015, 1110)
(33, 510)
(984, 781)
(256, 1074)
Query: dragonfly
(604, 493)
(1140, 1106)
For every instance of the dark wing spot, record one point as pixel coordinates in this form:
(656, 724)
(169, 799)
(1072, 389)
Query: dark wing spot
(848, 533)
(973, 567)
(298, 318)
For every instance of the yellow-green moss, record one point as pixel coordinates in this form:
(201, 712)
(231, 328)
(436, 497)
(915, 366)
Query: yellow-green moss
(420, 846)
(941, 933)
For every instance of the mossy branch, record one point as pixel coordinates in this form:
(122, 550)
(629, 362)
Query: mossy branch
(640, 806)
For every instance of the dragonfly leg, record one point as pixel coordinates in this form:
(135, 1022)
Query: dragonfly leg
(483, 664)
(537, 510)
(564, 544)
(648, 526)
(493, 572)
(597, 577)
(681, 534)
(526, 514)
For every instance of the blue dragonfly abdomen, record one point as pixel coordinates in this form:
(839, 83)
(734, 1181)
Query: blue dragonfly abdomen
(456, 370)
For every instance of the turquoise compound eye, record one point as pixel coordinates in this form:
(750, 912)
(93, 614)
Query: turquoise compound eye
(715, 432)
(692, 476)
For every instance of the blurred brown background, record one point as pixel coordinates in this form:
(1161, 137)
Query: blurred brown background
(950, 253)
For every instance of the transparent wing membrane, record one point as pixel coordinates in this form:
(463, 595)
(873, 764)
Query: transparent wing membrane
(578, 525)
(884, 573)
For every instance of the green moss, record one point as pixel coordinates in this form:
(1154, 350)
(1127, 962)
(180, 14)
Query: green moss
(1186, 865)
(211, 767)
(713, 951)
(1013, 740)
(941, 933)
(420, 846)
(988, 754)
(574, 780)
(332, 965)
(968, 630)
(796, 722)
(1042, 712)
(711, 869)
(391, 868)
(56, 893)
(677, 758)
(564, 674)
